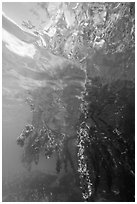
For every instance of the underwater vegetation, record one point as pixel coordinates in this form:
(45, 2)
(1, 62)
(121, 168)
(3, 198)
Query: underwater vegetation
(84, 115)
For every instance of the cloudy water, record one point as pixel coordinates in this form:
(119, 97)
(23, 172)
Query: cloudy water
(68, 102)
